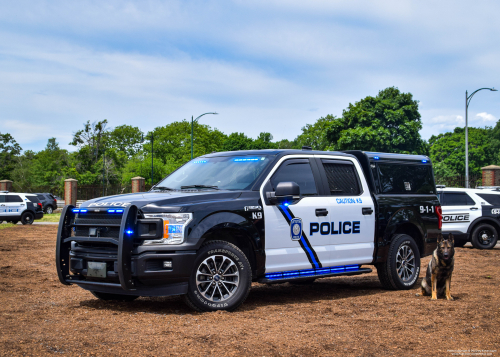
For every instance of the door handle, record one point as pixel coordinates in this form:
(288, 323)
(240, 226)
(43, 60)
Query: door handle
(367, 210)
(321, 212)
(474, 208)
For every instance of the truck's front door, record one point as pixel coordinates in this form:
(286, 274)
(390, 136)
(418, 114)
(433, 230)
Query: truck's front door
(287, 244)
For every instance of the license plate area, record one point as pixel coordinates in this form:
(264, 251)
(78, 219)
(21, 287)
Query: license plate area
(96, 270)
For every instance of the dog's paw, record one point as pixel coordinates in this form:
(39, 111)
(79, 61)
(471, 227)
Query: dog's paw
(417, 294)
(450, 298)
(433, 298)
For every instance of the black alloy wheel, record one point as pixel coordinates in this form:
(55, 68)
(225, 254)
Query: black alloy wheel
(27, 218)
(484, 236)
(49, 210)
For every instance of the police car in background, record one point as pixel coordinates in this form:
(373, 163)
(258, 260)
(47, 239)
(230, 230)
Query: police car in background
(15, 207)
(226, 219)
(471, 215)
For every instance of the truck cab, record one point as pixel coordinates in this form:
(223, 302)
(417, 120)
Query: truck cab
(226, 219)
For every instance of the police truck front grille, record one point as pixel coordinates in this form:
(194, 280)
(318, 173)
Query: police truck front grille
(106, 225)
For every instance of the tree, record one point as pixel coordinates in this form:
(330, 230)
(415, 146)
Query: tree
(125, 138)
(9, 149)
(91, 144)
(449, 149)
(263, 141)
(314, 135)
(172, 142)
(237, 141)
(389, 122)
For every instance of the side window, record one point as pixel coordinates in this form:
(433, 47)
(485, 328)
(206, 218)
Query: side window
(342, 178)
(299, 172)
(33, 198)
(405, 178)
(492, 199)
(457, 199)
(14, 198)
(40, 197)
(2, 198)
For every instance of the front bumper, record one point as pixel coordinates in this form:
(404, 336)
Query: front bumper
(129, 270)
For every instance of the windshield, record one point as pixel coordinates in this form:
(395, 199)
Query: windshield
(223, 173)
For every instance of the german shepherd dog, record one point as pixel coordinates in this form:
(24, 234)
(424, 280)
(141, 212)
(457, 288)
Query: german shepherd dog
(437, 280)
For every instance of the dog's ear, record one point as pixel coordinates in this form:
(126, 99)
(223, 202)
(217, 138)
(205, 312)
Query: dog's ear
(440, 238)
(450, 238)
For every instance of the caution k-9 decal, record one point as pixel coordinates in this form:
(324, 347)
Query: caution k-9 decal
(456, 218)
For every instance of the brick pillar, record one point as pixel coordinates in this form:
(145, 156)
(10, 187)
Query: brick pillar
(491, 175)
(138, 184)
(6, 185)
(70, 186)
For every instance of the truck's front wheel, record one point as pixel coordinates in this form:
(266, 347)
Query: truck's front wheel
(221, 279)
(401, 269)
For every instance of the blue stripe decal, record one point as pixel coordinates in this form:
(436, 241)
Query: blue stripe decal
(309, 251)
(312, 272)
(287, 213)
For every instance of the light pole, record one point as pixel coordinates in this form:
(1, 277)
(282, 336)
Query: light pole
(151, 138)
(192, 122)
(467, 101)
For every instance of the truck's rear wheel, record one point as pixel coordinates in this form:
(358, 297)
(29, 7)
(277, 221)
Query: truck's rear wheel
(115, 297)
(401, 269)
(221, 278)
(484, 236)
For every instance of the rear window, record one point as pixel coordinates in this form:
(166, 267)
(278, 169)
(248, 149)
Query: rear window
(342, 178)
(2, 198)
(33, 198)
(14, 198)
(405, 178)
(490, 198)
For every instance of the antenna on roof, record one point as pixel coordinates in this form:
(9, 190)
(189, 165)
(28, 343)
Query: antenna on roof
(304, 148)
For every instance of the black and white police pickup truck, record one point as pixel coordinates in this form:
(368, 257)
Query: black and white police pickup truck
(472, 215)
(15, 207)
(226, 219)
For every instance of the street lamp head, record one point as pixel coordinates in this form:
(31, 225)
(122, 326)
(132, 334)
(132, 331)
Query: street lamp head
(493, 89)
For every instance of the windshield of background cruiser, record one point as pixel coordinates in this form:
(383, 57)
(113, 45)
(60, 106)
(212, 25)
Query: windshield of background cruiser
(225, 172)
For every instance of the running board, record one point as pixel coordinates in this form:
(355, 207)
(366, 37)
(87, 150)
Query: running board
(294, 275)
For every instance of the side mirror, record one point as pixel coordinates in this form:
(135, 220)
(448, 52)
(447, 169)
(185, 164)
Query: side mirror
(285, 192)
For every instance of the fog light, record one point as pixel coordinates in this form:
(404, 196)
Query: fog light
(167, 264)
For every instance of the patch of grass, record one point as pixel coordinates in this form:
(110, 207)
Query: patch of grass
(7, 225)
(54, 217)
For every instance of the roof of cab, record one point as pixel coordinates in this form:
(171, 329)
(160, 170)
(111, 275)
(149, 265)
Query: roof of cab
(275, 152)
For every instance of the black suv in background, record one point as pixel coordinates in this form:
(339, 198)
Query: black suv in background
(49, 202)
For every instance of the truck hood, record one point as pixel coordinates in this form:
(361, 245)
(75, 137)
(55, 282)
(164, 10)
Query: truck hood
(171, 201)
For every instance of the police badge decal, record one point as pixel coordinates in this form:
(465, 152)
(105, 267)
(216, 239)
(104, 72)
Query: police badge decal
(296, 228)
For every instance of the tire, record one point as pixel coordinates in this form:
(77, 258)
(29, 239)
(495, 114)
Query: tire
(396, 276)
(113, 297)
(27, 218)
(219, 264)
(303, 281)
(49, 210)
(484, 236)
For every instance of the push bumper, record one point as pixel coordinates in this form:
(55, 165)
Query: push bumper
(161, 272)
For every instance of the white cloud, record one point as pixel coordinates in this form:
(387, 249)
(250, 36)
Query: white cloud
(486, 118)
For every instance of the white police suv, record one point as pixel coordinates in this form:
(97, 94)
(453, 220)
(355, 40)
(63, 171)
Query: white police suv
(471, 215)
(15, 207)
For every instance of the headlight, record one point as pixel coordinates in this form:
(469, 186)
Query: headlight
(174, 225)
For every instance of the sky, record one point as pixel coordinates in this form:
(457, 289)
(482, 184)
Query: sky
(270, 65)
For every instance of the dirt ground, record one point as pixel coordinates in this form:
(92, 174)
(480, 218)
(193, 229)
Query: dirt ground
(332, 317)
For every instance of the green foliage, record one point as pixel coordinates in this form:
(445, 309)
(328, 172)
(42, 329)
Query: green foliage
(314, 135)
(9, 149)
(126, 139)
(389, 122)
(237, 141)
(449, 149)
(141, 166)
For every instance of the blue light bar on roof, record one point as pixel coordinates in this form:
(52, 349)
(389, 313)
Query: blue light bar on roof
(376, 158)
(424, 161)
(200, 162)
(246, 159)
